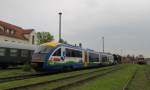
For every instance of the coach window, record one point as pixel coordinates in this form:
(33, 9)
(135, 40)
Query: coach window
(2, 51)
(31, 53)
(13, 52)
(58, 52)
(24, 53)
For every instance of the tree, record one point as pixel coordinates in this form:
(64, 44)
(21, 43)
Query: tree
(44, 37)
(128, 56)
(63, 41)
(140, 56)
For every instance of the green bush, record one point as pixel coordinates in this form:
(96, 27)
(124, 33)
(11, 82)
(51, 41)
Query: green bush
(26, 67)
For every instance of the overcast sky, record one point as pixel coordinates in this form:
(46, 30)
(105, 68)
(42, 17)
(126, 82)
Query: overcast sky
(125, 24)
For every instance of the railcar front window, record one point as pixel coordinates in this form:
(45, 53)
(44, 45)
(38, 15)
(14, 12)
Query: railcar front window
(42, 49)
(57, 53)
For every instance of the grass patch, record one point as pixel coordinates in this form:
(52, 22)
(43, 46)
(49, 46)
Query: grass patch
(147, 72)
(60, 83)
(113, 81)
(27, 68)
(13, 72)
(140, 82)
(17, 83)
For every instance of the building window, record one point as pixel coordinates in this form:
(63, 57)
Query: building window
(7, 31)
(32, 39)
(24, 53)
(1, 29)
(12, 32)
(13, 52)
(2, 51)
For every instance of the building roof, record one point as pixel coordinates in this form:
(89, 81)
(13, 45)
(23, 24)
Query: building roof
(18, 31)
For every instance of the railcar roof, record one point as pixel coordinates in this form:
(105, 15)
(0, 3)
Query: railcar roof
(17, 46)
(51, 44)
(56, 44)
(105, 53)
(71, 46)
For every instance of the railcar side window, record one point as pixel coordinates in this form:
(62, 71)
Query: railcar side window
(24, 53)
(73, 53)
(58, 52)
(104, 59)
(68, 52)
(13, 52)
(2, 51)
(77, 53)
(93, 57)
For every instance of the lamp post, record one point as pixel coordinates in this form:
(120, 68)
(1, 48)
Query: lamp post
(60, 13)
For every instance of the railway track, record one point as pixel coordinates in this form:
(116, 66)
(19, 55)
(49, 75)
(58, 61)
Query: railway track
(22, 77)
(79, 82)
(126, 87)
(68, 81)
(147, 75)
(10, 68)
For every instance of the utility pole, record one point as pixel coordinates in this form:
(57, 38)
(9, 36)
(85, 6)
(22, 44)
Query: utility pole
(103, 43)
(121, 52)
(60, 13)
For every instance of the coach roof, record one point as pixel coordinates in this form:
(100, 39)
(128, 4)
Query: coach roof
(17, 46)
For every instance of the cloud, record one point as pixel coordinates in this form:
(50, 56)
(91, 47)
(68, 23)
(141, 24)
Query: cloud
(123, 23)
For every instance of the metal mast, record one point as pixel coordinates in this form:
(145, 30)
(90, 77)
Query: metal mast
(60, 13)
(103, 44)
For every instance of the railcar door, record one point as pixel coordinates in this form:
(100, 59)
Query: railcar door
(85, 58)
